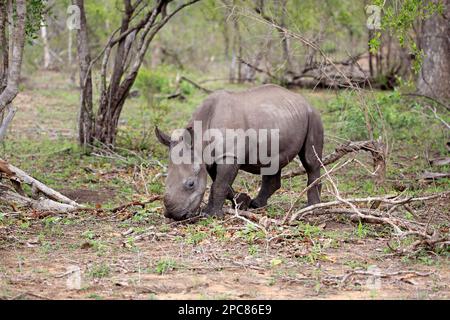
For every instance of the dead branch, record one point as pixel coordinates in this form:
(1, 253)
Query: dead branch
(136, 203)
(42, 204)
(46, 199)
(196, 85)
(315, 182)
(340, 151)
(439, 117)
(346, 277)
(36, 185)
(259, 69)
(440, 162)
(388, 199)
(434, 175)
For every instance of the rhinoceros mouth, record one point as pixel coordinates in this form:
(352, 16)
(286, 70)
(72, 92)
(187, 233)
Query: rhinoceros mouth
(180, 216)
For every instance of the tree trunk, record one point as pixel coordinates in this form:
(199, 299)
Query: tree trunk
(4, 43)
(114, 89)
(85, 117)
(434, 78)
(46, 46)
(285, 38)
(18, 43)
(370, 55)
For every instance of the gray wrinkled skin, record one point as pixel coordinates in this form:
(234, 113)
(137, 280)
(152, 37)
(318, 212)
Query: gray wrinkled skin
(263, 107)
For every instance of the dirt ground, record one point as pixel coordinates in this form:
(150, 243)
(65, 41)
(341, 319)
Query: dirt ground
(136, 253)
(208, 260)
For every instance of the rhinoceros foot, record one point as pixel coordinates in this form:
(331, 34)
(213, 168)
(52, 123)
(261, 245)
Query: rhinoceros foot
(242, 201)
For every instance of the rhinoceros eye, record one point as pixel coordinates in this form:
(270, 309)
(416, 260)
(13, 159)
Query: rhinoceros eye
(189, 183)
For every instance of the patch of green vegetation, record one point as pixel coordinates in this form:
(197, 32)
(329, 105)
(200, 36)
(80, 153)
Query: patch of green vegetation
(165, 265)
(362, 230)
(275, 211)
(309, 231)
(95, 296)
(251, 234)
(253, 250)
(315, 254)
(89, 235)
(194, 235)
(156, 187)
(98, 271)
(355, 264)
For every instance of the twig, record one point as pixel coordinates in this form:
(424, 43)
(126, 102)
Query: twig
(136, 203)
(196, 85)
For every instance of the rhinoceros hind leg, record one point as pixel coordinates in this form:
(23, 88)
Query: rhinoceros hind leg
(312, 166)
(270, 184)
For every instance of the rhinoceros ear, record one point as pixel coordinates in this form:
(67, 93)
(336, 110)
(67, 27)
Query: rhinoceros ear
(162, 137)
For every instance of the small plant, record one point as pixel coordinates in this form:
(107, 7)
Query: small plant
(253, 250)
(309, 231)
(356, 264)
(362, 231)
(100, 271)
(156, 187)
(88, 234)
(195, 236)
(219, 231)
(165, 265)
(251, 234)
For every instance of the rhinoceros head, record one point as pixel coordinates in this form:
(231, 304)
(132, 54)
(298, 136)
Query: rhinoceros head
(186, 181)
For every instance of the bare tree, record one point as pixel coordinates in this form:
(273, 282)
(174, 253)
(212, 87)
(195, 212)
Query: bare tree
(125, 49)
(434, 79)
(12, 63)
(12, 41)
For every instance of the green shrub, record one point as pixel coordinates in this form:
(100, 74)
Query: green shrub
(153, 81)
(400, 118)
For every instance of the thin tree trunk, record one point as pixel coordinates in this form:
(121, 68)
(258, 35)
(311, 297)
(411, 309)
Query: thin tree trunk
(18, 43)
(85, 119)
(69, 48)
(434, 78)
(370, 56)
(285, 38)
(46, 46)
(4, 43)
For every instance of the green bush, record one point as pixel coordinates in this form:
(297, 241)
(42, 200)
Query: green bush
(400, 118)
(161, 80)
(154, 81)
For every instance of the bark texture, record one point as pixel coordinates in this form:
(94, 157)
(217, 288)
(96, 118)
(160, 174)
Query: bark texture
(434, 78)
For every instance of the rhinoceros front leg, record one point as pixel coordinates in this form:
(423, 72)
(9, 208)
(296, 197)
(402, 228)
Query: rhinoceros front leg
(221, 188)
(242, 200)
(269, 185)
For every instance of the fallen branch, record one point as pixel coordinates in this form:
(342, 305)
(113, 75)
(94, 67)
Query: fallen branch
(340, 151)
(10, 197)
(45, 198)
(36, 186)
(389, 199)
(136, 203)
(440, 162)
(434, 175)
(346, 277)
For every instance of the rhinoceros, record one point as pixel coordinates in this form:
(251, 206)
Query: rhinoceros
(299, 132)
